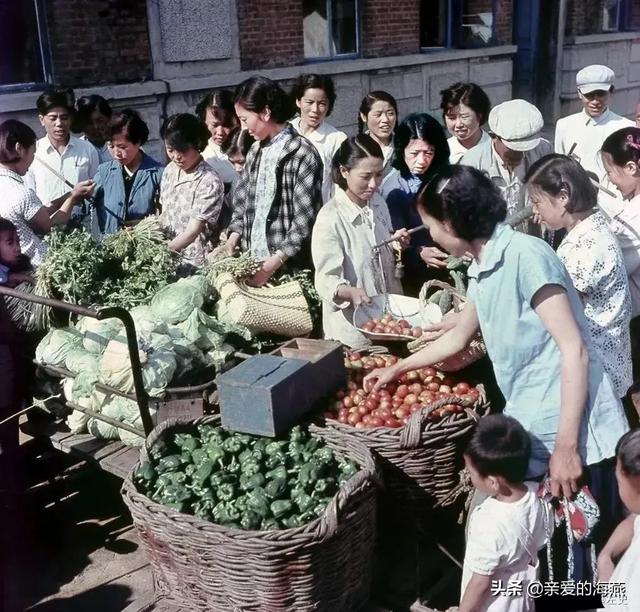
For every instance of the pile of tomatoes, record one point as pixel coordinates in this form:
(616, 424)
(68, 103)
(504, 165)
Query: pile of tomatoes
(392, 405)
(387, 324)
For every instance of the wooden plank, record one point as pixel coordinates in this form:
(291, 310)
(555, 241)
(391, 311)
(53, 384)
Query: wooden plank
(121, 462)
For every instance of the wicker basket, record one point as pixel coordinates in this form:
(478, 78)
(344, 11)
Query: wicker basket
(422, 460)
(281, 310)
(474, 351)
(324, 565)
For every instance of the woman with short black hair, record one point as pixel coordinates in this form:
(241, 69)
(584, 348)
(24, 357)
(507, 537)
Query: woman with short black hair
(377, 116)
(533, 325)
(465, 109)
(279, 191)
(128, 186)
(564, 198)
(92, 117)
(421, 151)
(348, 271)
(191, 193)
(315, 96)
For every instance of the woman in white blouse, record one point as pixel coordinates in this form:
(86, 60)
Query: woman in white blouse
(562, 195)
(348, 272)
(465, 108)
(315, 97)
(378, 116)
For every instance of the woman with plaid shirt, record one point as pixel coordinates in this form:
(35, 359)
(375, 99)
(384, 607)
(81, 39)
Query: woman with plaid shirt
(279, 191)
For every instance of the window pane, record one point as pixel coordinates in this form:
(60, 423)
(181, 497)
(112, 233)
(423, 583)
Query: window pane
(433, 23)
(343, 26)
(611, 15)
(19, 43)
(477, 23)
(315, 28)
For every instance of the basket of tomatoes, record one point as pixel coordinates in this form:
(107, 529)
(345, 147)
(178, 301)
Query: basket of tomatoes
(418, 425)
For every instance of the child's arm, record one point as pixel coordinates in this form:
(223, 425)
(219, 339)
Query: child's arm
(476, 593)
(616, 545)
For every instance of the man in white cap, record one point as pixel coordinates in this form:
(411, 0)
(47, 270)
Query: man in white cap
(583, 133)
(515, 144)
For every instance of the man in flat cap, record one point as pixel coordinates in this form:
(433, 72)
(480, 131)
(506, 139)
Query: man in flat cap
(515, 144)
(583, 133)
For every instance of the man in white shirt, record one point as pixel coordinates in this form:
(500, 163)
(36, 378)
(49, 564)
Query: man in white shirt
(583, 133)
(515, 144)
(75, 159)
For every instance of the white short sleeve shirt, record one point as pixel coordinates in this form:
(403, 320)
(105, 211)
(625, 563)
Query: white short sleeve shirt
(594, 261)
(627, 573)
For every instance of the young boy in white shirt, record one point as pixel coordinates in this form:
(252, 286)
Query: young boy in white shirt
(507, 529)
(619, 560)
(74, 159)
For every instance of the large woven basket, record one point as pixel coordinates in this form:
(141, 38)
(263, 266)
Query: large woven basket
(324, 565)
(420, 461)
(281, 310)
(474, 351)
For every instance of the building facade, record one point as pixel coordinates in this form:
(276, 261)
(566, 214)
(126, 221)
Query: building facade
(161, 56)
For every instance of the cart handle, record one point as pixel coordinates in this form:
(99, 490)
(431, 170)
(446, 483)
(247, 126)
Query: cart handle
(111, 312)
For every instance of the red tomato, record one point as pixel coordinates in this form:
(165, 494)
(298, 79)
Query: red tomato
(343, 411)
(362, 410)
(353, 418)
(392, 423)
(396, 402)
(359, 425)
(384, 394)
(384, 413)
(426, 397)
(366, 419)
(376, 422)
(347, 402)
(415, 388)
(370, 404)
(433, 386)
(385, 404)
(413, 375)
(352, 385)
(429, 371)
(361, 392)
(411, 398)
(461, 387)
(416, 332)
(380, 362)
(343, 419)
(445, 389)
(391, 359)
(401, 413)
(402, 391)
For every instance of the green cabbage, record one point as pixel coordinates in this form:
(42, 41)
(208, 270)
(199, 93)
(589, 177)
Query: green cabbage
(78, 360)
(56, 345)
(174, 303)
(97, 334)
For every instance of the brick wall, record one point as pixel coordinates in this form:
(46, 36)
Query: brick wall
(585, 17)
(271, 33)
(504, 22)
(388, 31)
(98, 41)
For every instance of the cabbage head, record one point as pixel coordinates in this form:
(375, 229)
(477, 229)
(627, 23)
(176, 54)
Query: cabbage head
(97, 334)
(78, 360)
(56, 345)
(174, 303)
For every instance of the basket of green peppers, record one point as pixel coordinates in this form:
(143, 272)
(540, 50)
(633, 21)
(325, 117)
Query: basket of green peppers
(234, 521)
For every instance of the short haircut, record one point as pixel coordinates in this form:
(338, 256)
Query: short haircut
(238, 142)
(466, 198)
(628, 452)
(220, 103)
(129, 123)
(257, 93)
(7, 226)
(86, 105)
(315, 81)
(500, 446)
(350, 152)
(54, 98)
(12, 133)
(555, 173)
(471, 95)
(623, 146)
(183, 130)
(369, 100)
(420, 126)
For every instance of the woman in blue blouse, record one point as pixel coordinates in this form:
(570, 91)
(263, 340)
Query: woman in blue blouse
(127, 187)
(421, 151)
(533, 324)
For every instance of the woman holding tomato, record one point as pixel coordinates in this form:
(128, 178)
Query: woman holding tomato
(533, 324)
(348, 271)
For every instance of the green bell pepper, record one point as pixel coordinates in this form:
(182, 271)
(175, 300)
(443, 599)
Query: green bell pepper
(291, 522)
(325, 486)
(144, 475)
(258, 501)
(170, 463)
(233, 445)
(280, 508)
(186, 442)
(250, 482)
(269, 524)
(250, 520)
(226, 492)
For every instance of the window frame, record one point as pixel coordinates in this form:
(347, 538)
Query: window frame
(339, 56)
(624, 16)
(44, 55)
(454, 16)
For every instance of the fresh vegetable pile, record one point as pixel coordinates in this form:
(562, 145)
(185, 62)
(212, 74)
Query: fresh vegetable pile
(388, 324)
(126, 270)
(396, 402)
(243, 481)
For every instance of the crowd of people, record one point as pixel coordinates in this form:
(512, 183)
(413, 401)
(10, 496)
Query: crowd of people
(556, 299)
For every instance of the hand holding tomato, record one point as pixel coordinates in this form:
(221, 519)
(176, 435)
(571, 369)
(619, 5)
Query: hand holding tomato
(377, 379)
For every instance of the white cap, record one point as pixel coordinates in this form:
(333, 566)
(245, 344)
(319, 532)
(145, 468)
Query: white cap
(595, 77)
(517, 123)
